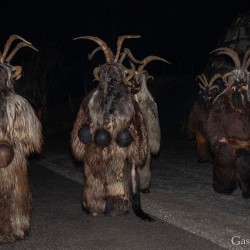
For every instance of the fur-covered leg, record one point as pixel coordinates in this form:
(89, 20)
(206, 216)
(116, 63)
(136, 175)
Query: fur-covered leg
(243, 168)
(15, 202)
(202, 151)
(93, 193)
(15, 216)
(117, 190)
(224, 171)
(6, 234)
(117, 199)
(21, 213)
(116, 205)
(145, 175)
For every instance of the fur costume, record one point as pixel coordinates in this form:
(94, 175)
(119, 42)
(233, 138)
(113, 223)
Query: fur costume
(228, 129)
(109, 135)
(150, 113)
(198, 116)
(21, 130)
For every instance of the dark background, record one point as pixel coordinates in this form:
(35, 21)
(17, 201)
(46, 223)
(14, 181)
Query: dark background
(183, 32)
(176, 30)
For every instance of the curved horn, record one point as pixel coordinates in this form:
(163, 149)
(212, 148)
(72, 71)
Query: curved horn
(247, 63)
(147, 60)
(8, 44)
(229, 85)
(230, 52)
(230, 73)
(90, 56)
(19, 46)
(246, 60)
(130, 72)
(107, 52)
(95, 73)
(120, 42)
(203, 80)
(202, 87)
(215, 87)
(224, 91)
(17, 72)
(123, 55)
(128, 53)
(214, 78)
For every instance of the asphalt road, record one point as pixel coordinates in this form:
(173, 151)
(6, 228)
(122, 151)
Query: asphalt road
(58, 222)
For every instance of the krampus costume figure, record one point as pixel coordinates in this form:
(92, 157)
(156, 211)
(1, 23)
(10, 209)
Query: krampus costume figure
(198, 116)
(110, 137)
(20, 135)
(150, 113)
(228, 129)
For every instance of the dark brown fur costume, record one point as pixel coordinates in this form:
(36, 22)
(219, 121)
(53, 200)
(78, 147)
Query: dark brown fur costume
(228, 130)
(196, 124)
(198, 117)
(111, 184)
(22, 130)
(150, 113)
(149, 110)
(226, 122)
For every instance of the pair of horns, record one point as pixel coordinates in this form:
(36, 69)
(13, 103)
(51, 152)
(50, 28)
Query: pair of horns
(235, 57)
(110, 57)
(143, 62)
(20, 45)
(205, 84)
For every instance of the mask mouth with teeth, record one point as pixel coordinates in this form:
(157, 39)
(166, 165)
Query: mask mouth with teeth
(239, 100)
(239, 95)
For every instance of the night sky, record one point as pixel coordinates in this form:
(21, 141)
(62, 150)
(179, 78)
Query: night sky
(183, 32)
(172, 29)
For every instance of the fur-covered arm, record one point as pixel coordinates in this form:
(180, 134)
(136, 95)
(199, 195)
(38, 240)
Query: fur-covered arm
(197, 120)
(153, 127)
(24, 126)
(192, 122)
(139, 131)
(83, 118)
(215, 128)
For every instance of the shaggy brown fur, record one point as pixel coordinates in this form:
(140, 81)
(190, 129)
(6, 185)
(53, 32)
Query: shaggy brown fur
(119, 145)
(111, 174)
(22, 130)
(198, 116)
(228, 131)
(150, 113)
(196, 129)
